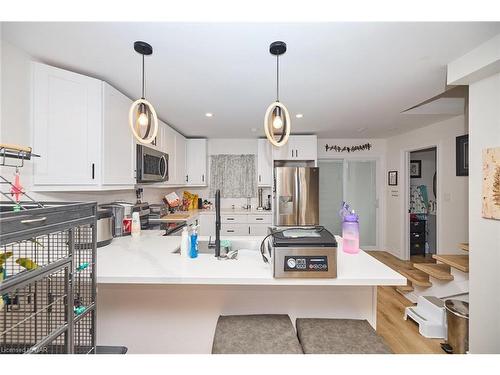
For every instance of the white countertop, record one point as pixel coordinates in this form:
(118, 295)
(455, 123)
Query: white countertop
(149, 259)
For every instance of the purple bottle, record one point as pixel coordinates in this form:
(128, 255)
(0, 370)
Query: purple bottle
(350, 233)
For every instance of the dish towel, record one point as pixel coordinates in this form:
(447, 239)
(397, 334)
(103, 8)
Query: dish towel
(418, 199)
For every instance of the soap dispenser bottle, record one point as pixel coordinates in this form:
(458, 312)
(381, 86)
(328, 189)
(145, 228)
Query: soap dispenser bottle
(185, 243)
(193, 253)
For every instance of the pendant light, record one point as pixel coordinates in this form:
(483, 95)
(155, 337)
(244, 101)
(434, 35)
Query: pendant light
(142, 116)
(277, 119)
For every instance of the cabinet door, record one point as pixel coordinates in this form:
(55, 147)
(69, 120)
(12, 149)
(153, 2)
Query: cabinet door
(180, 159)
(168, 146)
(66, 120)
(259, 229)
(284, 152)
(207, 224)
(264, 163)
(235, 230)
(305, 147)
(196, 161)
(118, 161)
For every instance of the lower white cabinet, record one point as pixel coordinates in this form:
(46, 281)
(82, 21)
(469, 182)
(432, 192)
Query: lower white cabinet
(235, 224)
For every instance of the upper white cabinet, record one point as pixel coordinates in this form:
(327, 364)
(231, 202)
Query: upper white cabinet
(80, 129)
(298, 147)
(196, 162)
(118, 145)
(264, 162)
(180, 159)
(167, 136)
(67, 121)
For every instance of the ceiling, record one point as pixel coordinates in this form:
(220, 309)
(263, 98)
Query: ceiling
(347, 79)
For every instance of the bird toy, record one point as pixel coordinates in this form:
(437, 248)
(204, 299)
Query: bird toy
(16, 189)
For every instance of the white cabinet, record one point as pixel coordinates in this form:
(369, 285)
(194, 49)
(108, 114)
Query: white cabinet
(167, 136)
(119, 147)
(264, 162)
(80, 129)
(66, 127)
(180, 159)
(207, 224)
(196, 162)
(298, 147)
(235, 224)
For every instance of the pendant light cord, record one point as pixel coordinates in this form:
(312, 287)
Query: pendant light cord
(277, 78)
(143, 96)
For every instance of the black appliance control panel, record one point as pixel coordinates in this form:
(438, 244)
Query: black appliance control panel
(306, 263)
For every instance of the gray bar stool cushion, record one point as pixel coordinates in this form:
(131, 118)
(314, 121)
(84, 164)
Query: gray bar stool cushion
(339, 336)
(255, 334)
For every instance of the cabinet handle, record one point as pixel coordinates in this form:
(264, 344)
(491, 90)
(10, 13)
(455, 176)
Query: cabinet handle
(230, 218)
(292, 153)
(260, 178)
(93, 171)
(248, 230)
(27, 221)
(187, 178)
(203, 178)
(230, 231)
(296, 153)
(259, 218)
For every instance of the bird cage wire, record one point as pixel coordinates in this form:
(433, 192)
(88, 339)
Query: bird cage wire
(48, 287)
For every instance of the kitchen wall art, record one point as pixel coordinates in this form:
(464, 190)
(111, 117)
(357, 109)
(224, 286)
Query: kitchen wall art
(416, 169)
(354, 148)
(491, 183)
(392, 178)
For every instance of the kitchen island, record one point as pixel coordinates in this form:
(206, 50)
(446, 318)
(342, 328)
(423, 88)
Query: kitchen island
(152, 300)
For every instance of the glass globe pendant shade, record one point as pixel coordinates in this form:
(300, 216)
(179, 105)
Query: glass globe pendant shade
(277, 118)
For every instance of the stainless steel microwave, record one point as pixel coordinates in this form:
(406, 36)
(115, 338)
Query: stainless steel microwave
(152, 165)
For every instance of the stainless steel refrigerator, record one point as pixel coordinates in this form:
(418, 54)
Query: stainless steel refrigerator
(296, 200)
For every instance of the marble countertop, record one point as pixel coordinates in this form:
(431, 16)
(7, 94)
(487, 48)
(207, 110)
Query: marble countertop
(149, 259)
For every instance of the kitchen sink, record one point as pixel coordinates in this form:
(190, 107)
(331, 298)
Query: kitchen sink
(235, 245)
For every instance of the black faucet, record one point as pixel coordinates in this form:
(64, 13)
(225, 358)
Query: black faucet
(217, 223)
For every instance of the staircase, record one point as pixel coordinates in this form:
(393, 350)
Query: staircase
(448, 277)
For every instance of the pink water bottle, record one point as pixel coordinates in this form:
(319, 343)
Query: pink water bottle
(350, 233)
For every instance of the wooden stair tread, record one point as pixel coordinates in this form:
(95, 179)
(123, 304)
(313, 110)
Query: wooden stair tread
(439, 271)
(464, 246)
(460, 262)
(405, 288)
(417, 277)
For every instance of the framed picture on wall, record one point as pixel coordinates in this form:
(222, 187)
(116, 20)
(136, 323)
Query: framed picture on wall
(462, 155)
(416, 168)
(393, 178)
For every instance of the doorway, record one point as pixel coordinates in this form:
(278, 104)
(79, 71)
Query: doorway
(422, 204)
(352, 181)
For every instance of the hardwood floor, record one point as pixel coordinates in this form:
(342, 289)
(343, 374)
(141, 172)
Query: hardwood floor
(401, 335)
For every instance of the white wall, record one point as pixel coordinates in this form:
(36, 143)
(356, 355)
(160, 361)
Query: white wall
(452, 192)
(484, 234)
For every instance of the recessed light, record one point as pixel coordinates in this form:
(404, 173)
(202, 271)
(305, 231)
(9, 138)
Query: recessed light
(208, 114)
(299, 115)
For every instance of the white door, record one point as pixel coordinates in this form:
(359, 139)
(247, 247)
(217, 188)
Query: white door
(264, 163)
(180, 159)
(196, 161)
(352, 181)
(360, 191)
(67, 118)
(118, 146)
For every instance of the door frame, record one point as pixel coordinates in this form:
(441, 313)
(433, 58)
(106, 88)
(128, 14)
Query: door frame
(380, 203)
(405, 159)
